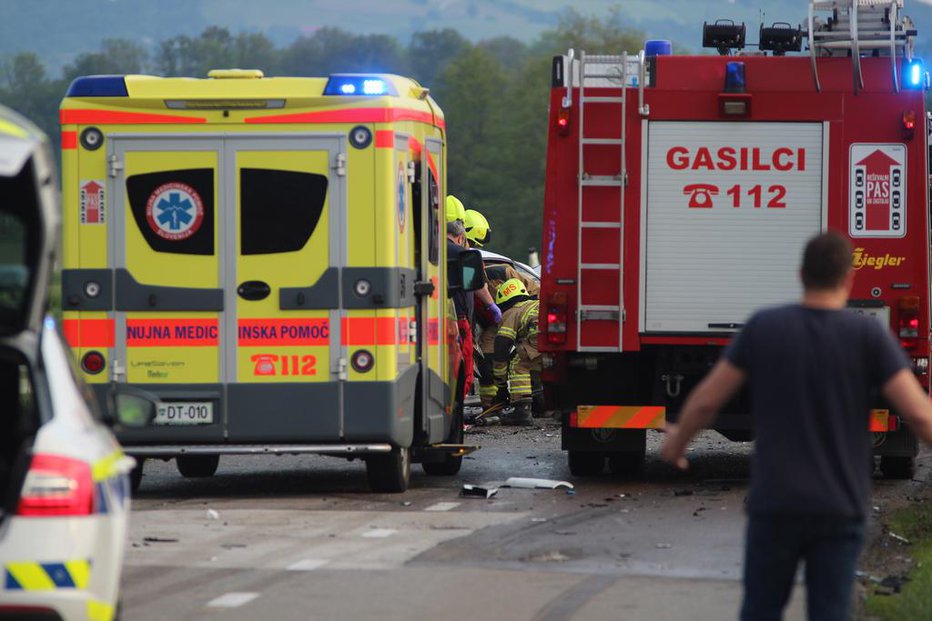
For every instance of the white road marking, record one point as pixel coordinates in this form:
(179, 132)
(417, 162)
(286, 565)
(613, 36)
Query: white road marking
(308, 564)
(443, 506)
(379, 533)
(232, 600)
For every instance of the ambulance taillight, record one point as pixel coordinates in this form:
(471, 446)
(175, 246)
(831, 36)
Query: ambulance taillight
(93, 362)
(556, 318)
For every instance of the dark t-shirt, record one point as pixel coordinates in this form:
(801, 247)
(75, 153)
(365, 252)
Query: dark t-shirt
(462, 300)
(813, 375)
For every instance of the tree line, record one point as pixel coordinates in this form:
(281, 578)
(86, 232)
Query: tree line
(494, 94)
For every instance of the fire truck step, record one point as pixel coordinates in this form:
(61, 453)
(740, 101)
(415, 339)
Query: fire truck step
(602, 181)
(600, 225)
(600, 266)
(603, 99)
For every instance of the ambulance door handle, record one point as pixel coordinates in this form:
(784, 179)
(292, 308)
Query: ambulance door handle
(254, 290)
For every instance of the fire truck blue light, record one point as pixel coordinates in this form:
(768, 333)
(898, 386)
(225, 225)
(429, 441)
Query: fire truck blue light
(914, 73)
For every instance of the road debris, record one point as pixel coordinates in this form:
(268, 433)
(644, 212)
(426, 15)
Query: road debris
(477, 491)
(899, 538)
(212, 515)
(159, 540)
(664, 546)
(683, 492)
(526, 483)
(553, 556)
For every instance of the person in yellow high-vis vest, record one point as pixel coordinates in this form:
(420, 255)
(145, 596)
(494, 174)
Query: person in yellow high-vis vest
(517, 331)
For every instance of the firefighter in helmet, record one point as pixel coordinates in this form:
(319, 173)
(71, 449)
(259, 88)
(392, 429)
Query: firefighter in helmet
(478, 230)
(518, 331)
(455, 209)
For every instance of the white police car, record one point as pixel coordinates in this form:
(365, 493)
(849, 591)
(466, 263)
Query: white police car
(64, 484)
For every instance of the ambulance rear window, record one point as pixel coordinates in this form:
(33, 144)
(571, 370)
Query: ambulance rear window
(280, 209)
(174, 209)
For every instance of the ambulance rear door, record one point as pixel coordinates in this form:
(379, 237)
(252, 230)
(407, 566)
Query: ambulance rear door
(165, 249)
(286, 244)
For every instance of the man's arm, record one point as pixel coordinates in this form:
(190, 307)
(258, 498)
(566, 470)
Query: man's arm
(700, 410)
(911, 401)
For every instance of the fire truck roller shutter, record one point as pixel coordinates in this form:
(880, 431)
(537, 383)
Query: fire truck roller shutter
(728, 209)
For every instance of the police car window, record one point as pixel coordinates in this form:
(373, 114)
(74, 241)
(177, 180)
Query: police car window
(19, 247)
(279, 209)
(433, 213)
(174, 209)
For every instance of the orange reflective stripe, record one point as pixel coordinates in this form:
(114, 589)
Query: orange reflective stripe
(620, 417)
(880, 420)
(103, 117)
(369, 331)
(172, 333)
(352, 115)
(84, 333)
(283, 332)
(384, 139)
(69, 140)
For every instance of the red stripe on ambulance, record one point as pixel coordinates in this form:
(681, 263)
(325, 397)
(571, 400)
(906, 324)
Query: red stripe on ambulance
(88, 332)
(283, 332)
(172, 333)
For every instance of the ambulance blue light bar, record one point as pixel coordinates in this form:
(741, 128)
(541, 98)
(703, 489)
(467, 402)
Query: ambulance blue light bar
(914, 74)
(353, 85)
(98, 86)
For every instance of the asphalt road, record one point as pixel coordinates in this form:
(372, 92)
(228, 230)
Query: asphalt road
(303, 538)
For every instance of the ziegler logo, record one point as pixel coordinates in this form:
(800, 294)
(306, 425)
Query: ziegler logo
(864, 259)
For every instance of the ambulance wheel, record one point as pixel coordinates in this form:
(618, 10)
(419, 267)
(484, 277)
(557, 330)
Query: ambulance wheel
(626, 464)
(135, 475)
(585, 463)
(389, 473)
(897, 466)
(448, 465)
(197, 466)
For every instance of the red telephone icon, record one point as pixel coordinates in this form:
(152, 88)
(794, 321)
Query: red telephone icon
(700, 195)
(265, 364)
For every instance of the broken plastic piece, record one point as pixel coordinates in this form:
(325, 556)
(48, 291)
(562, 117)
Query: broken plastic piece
(525, 483)
(476, 491)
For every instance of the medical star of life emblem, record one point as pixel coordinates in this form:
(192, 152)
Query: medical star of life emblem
(175, 211)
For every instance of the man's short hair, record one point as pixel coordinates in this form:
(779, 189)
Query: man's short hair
(826, 261)
(455, 228)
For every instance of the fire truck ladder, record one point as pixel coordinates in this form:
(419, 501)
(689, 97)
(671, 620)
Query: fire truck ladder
(859, 26)
(615, 72)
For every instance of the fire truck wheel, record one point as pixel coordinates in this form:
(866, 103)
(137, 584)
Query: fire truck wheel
(585, 463)
(389, 473)
(197, 466)
(897, 466)
(626, 464)
(448, 465)
(135, 476)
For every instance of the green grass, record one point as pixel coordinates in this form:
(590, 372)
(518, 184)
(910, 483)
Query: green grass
(915, 600)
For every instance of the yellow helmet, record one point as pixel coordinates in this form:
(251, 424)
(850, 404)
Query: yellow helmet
(478, 230)
(455, 209)
(511, 288)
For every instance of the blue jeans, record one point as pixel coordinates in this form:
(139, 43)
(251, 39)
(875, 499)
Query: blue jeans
(829, 546)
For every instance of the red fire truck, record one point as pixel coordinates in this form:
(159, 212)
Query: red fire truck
(680, 191)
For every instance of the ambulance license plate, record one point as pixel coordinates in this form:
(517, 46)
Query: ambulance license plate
(185, 413)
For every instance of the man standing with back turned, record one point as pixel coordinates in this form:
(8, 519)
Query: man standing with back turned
(813, 370)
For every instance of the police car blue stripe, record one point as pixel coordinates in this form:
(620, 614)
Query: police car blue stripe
(101, 492)
(59, 575)
(10, 583)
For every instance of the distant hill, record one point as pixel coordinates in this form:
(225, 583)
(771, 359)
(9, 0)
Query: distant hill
(58, 30)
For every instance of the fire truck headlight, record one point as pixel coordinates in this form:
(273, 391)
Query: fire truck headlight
(914, 74)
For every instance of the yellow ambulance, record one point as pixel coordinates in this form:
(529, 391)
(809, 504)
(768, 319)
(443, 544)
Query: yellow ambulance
(268, 257)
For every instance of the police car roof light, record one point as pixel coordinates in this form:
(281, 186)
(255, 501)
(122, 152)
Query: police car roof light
(914, 74)
(98, 86)
(359, 84)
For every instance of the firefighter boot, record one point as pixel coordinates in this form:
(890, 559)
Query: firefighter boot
(521, 416)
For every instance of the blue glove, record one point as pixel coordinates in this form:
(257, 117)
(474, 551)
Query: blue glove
(494, 313)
